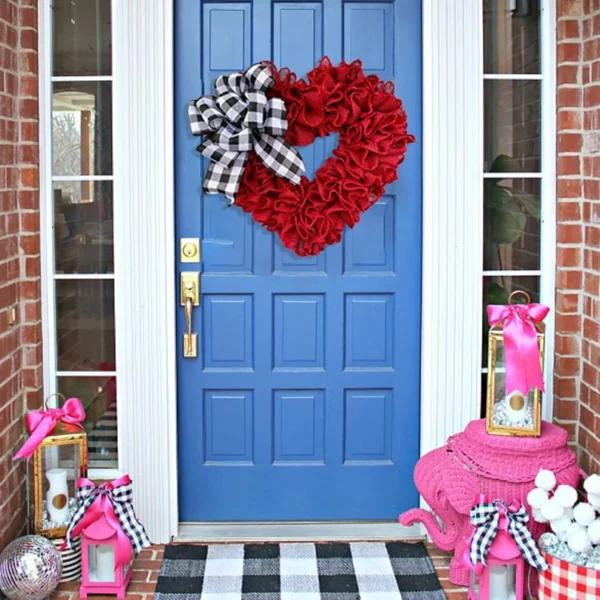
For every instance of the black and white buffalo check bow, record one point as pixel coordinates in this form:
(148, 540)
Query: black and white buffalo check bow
(119, 494)
(485, 517)
(238, 119)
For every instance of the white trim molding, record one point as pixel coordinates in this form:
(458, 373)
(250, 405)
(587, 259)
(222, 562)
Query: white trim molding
(144, 271)
(548, 190)
(452, 218)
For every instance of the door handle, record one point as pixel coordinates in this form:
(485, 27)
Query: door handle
(190, 297)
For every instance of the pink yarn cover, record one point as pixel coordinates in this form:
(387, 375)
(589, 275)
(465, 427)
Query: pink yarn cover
(500, 467)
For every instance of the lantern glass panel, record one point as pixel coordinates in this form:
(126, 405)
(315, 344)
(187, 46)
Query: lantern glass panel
(59, 462)
(510, 413)
(101, 563)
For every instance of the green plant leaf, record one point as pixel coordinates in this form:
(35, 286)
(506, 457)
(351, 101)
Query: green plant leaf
(504, 218)
(505, 164)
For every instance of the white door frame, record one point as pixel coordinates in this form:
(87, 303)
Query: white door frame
(144, 240)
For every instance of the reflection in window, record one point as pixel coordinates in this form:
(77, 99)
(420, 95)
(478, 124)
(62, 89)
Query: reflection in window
(83, 217)
(82, 128)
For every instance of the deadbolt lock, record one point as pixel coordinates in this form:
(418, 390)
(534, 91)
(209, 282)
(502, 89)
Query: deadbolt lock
(189, 250)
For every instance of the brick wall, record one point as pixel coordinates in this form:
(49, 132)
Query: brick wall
(20, 343)
(577, 379)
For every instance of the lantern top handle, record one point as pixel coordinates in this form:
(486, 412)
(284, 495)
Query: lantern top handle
(58, 395)
(519, 293)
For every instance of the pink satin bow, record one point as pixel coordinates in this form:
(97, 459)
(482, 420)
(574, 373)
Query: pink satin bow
(102, 507)
(521, 350)
(41, 423)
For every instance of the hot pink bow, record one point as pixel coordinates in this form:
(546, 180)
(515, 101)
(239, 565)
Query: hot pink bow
(41, 423)
(521, 350)
(102, 498)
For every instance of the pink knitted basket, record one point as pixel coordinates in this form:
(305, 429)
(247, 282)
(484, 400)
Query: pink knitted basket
(506, 467)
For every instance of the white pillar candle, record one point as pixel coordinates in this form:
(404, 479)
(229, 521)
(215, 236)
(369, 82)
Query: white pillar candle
(516, 407)
(499, 582)
(105, 563)
(57, 496)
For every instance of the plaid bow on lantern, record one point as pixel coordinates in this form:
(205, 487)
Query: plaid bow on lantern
(485, 517)
(238, 119)
(114, 502)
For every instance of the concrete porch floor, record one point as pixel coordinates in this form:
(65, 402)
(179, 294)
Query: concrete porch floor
(147, 565)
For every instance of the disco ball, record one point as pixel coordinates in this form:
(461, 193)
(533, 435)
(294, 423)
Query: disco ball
(30, 568)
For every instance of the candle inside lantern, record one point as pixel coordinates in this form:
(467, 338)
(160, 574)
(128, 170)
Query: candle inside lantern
(501, 587)
(516, 407)
(57, 497)
(105, 563)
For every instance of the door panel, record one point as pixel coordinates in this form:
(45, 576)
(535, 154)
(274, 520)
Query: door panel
(303, 403)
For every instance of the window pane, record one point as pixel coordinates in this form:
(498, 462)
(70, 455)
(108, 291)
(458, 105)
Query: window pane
(82, 128)
(85, 325)
(99, 398)
(512, 125)
(511, 34)
(81, 37)
(83, 217)
(497, 289)
(511, 224)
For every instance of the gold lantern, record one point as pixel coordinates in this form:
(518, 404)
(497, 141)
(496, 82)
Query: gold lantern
(58, 462)
(513, 413)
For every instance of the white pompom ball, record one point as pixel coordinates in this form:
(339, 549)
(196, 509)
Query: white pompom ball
(579, 541)
(561, 525)
(565, 495)
(552, 510)
(537, 515)
(537, 497)
(584, 513)
(562, 536)
(594, 500)
(592, 484)
(545, 479)
(594, 531)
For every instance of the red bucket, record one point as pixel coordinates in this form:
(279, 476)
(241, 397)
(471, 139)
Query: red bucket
(565, 581)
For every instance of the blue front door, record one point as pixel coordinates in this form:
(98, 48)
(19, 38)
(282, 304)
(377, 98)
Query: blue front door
(303, 403)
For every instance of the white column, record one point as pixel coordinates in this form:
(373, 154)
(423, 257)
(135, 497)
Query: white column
(452, 217)
(144, 248)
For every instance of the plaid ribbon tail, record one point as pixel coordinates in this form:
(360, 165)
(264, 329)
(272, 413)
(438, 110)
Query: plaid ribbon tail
(121, 499)
(517, 529)
(85, 498)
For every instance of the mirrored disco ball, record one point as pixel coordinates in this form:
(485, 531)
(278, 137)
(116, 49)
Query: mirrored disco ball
(30, 568)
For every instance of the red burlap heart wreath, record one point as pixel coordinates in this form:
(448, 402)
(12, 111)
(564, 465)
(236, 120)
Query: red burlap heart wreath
(373, 140)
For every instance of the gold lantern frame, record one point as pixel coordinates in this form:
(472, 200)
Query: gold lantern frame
(496, 337)
(61, 437)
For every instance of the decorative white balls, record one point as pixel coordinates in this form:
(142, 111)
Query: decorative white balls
(584, 513)
(566, 496)
(561, 525)
(593, 531)
(579, 541)
(552, 510)
(592, 484)
(545, 480)
(594, 500)
(537, 497)
(577, 524)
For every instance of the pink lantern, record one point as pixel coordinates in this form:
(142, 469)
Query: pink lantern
(100, 573)
(504, 576)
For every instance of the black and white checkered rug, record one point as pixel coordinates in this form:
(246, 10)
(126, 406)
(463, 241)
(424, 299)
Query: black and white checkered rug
(302, 571)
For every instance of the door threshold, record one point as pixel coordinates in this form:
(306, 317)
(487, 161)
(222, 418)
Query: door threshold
(285, 531)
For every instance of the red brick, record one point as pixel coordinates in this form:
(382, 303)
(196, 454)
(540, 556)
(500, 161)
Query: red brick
(568, 234)
(568, 119)
(569, 142)
(568, 165)
(568, 52)
(568, 211)
(567, 74)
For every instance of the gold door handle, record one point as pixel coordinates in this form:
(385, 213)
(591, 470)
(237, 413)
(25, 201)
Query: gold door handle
(190, 297)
